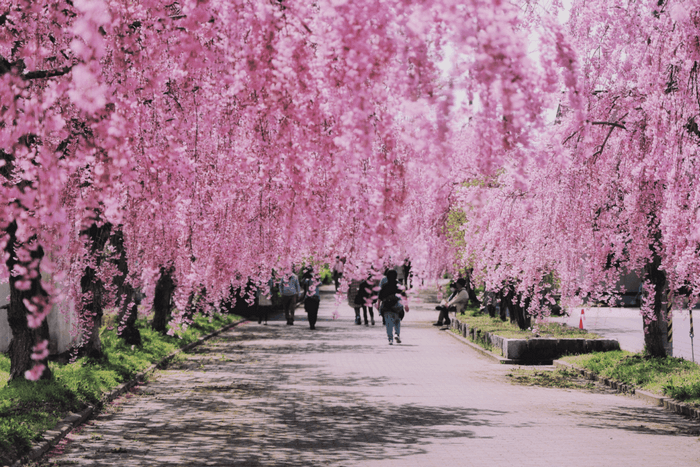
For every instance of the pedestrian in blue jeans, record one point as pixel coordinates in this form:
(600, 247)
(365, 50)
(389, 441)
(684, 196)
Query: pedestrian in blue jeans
(391, 306)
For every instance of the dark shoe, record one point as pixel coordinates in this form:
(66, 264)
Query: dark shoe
(372, 321)
(437, 324)
(398, 339)
(447, 323)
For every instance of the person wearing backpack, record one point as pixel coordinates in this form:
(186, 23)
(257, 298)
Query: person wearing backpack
(290, 291)
(391, 306)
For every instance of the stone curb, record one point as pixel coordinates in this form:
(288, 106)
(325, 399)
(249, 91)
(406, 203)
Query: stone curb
(667, 403)
(481, 350)
(73, 420)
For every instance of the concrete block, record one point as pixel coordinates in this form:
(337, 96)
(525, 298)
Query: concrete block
(514, 349)
(542, 348)
(572, 346)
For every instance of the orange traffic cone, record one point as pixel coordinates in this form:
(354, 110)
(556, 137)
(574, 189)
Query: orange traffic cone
(580, 320)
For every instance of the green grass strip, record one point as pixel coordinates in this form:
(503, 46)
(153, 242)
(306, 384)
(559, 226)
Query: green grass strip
(485, 323)
(27, 409)
(670, 376)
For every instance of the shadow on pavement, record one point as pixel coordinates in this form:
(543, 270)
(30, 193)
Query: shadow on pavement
(233, 403)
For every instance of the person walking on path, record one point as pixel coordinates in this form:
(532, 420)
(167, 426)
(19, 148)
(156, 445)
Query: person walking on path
(407, 276)
(337, 271)
(391, 306)
(353, 290)
(363, 300)
(290, 290)
(263, 304)
(457, 302)
(311, 285)
(381, 284)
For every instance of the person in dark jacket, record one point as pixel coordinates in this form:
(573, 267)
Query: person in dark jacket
(363, 300)
(312, 298)
(391, 306)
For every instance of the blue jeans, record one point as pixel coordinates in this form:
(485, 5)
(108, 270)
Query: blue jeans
(392, 321)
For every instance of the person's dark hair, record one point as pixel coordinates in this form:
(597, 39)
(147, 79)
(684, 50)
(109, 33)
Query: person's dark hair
(392, 275)
(461, 281)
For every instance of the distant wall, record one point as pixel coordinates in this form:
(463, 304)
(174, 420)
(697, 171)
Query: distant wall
(60, 325)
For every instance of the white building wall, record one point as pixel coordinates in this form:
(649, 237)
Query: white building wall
(61, 325)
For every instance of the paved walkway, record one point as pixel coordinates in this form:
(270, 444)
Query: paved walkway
(282, 395)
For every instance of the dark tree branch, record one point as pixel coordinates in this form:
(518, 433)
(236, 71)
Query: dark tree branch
(602, 146)
(18, 67)
(613, 124)
(569, 137)
(38, 74)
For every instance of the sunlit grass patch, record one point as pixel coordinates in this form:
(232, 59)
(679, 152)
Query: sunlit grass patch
(670, 376)
(485, 323)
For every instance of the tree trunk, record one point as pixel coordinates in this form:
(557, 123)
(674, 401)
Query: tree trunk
(490, 303)
(162, 301)
(470, 290)
(655, 329)
(93, 290)
(127, 298)
(190, 308)
(24, 338)
(520, 312)
(128, 314)
(504, 297)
